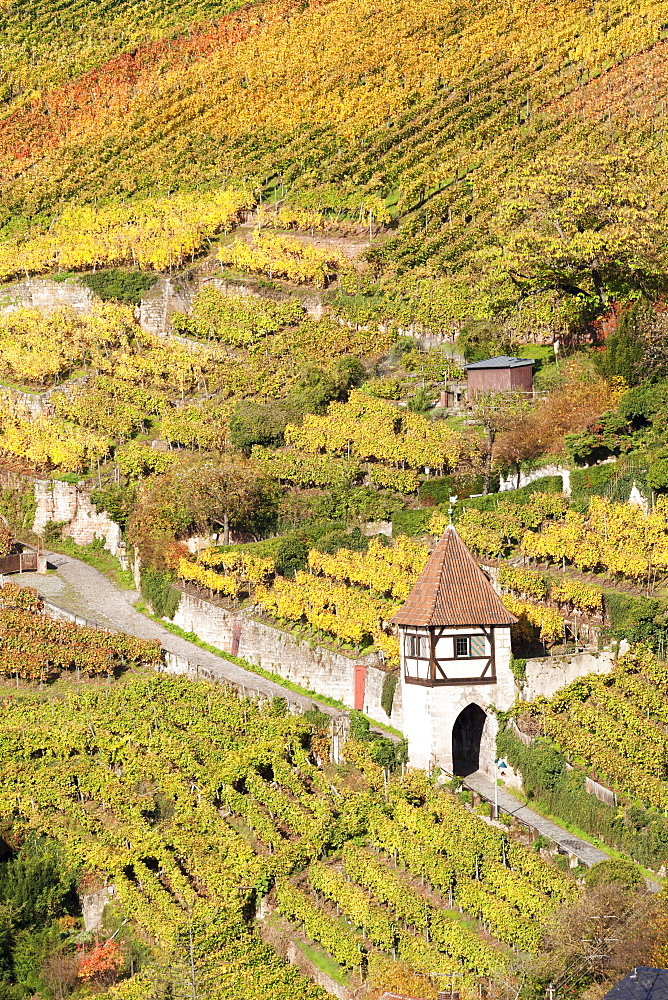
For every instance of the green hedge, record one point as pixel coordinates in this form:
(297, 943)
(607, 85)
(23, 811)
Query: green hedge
(411, 522)
(640, 832)
(586, 483)
(156, 588)
(387, 697)
(637, 618)
(117, 285)
(440, 490)
(546, 484)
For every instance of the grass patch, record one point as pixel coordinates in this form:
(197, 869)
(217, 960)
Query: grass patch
(96, 556)
(323, 961)
(589, 838)
(267, 674)
(312, 951)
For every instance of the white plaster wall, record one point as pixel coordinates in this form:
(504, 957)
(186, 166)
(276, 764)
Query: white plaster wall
(511, 483)
(429, 713)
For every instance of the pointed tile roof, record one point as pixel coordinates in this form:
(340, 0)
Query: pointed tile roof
(452, 590)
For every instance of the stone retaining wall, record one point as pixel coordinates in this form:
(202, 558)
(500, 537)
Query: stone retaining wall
(548, 674)
(45, 294)
(312, 667)
(171, 295)
(258, 688)
(70, 503)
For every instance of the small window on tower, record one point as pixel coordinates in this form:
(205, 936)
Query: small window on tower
(417, 646)
(461, 645)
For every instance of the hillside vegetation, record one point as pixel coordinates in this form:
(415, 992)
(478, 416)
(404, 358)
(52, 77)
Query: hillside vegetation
(185, 805)
(468, 125)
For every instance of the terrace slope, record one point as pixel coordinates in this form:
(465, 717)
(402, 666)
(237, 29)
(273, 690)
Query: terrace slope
(427, 114)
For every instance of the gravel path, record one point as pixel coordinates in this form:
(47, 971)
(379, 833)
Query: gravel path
(81, 589)
(484, 785)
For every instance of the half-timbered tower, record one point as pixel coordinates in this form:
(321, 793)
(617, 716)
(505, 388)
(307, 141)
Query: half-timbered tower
(454, 635)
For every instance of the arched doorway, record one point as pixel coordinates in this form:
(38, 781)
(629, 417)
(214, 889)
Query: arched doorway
(466, 736)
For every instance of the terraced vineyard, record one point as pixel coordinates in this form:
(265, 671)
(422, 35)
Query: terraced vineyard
(614, 726)
(403, 892)
(439, 113)
(193, 804)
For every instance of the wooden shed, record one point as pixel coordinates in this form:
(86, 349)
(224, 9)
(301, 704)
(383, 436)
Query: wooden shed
(500, 374)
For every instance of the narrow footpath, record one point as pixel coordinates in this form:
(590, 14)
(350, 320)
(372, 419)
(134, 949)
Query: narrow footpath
(585, 852)
(83, 590)
(484, 786)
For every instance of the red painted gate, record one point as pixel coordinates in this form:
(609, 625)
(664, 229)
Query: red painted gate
(360, 683)
(236, 636)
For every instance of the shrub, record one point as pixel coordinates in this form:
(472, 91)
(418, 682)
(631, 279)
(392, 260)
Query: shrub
(614, 870)
(387, 696)
(53, 531)
(382, 751)
(594, 481)
(353, 540)
(636, 618)
(257, 424)
(157, 589)
(518, 668)
(439, 491)
(118, 285)
(290, 555)
(117, 501)
(345, 503)
(642, 833)
(410, 522)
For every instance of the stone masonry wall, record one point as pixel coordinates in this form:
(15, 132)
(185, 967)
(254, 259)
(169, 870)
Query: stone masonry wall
(45, 294)
(170, 295)
(69, 503)
(548, 674)
(312, 667)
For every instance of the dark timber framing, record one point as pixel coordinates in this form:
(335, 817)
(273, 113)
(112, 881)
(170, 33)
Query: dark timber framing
(438, 666)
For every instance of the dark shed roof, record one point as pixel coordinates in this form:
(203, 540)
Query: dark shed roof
(641, 984)
(452, 590)
(501, 362)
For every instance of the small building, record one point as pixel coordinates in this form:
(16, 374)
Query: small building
(641, 984)
(453, 396)
(500, 374)
(455, 649)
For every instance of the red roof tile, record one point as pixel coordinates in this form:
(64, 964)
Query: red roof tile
(452, 590)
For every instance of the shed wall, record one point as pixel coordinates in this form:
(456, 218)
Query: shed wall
(488, 380)
(522, 378)
(499, 380)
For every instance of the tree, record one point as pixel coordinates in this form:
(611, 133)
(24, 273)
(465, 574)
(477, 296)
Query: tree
(38, 883)
(480, 339)
(585, 226)
(519, 443)
(257, 423)
(603, 935)
(578, 400)
(496, 411)
(102, 964)
(291, 555)
(624, 352)
(657, 474)
(200, 496)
